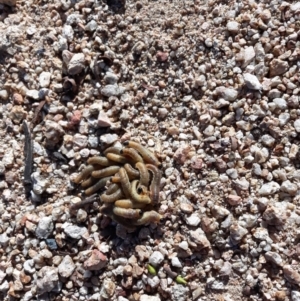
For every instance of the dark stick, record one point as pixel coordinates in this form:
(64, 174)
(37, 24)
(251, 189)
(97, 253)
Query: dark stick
(28, 153)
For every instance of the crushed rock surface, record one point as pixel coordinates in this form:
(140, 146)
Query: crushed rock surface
(212, 88)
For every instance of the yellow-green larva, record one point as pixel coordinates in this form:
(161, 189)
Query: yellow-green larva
(180, 280)
(151, 269)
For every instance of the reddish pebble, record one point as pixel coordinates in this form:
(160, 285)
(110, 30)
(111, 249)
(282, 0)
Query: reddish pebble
(17, 99)
(181, 154)
(96, 261)
(234, 200)
(75, 119)
(162, 56)
(196, 163)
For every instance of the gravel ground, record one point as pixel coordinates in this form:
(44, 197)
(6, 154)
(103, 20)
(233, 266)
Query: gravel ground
(211, 87)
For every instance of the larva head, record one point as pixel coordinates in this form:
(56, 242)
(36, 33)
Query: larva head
(160, 218)
(106, 209)
(142, 190)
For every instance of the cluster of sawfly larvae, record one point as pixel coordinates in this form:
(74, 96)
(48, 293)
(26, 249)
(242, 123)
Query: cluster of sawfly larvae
(131, 177)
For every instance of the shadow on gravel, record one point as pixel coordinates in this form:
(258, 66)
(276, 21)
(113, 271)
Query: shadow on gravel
(117, 6)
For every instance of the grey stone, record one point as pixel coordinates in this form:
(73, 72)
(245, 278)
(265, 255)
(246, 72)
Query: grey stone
(248, 56)
(233, 26)
(68, 32)
(156, 258)
(108, 139)
(112, 90)
(47, 279)
(66, 267)
(4, 239)
(295, 295)
(278, 67)
(283, 118)
(74, 231)
(29, 266)
(111, 78)
(227, 93)
(3, 94)
(252, 82)
(280, 103)
(103, 120)
(45, 227)
(237, 233)
(269, 188)
(153, 281)
(149, 298)
(232, 173)
(193, 220)
(179, 292)
(241, 184)
(175, 262)
(76, 64)
(107, 289)
(297, 125)
(91, 26)
(44, 79)
(199, 237)
(273, 257)
(267, 140)
(34, 94)
(289, 187)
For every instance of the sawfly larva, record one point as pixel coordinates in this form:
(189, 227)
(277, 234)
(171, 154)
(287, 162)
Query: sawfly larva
(140, 198)
(146, 154)
(144, 174)
(111, 198)
(155, 182)
(105, 172)
(84, 174)
(100, 184)
(127, 212)
(148, 217)
(132, 154)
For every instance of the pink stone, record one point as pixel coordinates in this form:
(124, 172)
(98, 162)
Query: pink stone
(234, 200)
(75, 119)
(181, 154)
(103, 120)
(196, 163)
(162, 56)
(96, 261)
